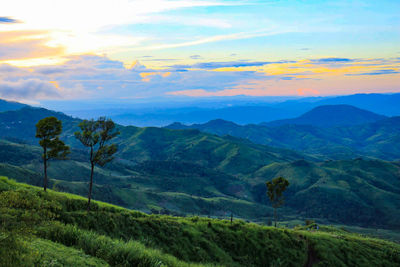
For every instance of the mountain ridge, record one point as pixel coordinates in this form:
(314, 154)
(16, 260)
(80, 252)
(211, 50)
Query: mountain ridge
(379, 139)
(187, 171)
(331, 116)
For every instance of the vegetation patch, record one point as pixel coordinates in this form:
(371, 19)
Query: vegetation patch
(108, 234)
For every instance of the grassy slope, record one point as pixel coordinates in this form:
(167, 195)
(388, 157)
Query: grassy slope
(121, 237)
(155, 185)
(378, 139)
(369, 189)
(361, 191)
(55, 254)
(189, 172)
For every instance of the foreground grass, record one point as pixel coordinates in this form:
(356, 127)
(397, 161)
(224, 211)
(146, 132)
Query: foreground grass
(56, 254)
(109, 235)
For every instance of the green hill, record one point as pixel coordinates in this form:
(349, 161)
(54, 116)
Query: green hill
(368, 189)
(362, 191)
(53, 229)
(376, 140)
(189, 172)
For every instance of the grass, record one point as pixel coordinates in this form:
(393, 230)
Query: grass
(65, 234)
(56, 254)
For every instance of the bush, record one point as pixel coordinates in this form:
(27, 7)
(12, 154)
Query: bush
(309, 222)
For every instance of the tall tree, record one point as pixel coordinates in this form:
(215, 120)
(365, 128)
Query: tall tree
(48, 130)
(95, 135)
(275, 189)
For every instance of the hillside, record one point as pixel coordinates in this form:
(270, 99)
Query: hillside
(378, 139)
(189, 172)
(10, 105)
(54, 227)
(180, 187)
(331, 116)
(362, 191)
(137, 145)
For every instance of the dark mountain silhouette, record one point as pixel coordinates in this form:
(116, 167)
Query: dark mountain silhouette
(10, 105)
(331, 115)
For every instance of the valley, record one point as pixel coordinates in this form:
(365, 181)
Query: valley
(189, 172)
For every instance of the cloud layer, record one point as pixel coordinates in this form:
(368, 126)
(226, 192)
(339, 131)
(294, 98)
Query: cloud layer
(8, 20)
(99, 77)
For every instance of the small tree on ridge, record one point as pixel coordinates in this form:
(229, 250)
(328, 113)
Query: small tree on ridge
(275, 189)
(48, 130)
(95, 135)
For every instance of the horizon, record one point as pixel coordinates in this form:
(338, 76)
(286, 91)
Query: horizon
(241, 111)
(192, 51)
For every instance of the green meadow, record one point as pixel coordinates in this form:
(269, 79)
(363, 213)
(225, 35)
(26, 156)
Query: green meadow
(54, 229)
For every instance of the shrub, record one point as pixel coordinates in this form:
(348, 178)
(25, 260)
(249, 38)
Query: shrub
(309, 222)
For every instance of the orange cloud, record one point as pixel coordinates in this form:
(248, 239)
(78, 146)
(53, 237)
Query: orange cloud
(307, 68)
(328, 85)
(55, 83)
(20, 45)
(146, 76)
(307, 91)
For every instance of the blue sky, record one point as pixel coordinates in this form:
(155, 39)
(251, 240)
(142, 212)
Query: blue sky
(159, 48)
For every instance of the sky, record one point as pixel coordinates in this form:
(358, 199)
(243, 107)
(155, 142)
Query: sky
(145, 49)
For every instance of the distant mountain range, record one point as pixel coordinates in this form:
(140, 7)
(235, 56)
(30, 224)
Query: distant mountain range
(362, 133)
(9, 105)
(241, 110)
(331, 116)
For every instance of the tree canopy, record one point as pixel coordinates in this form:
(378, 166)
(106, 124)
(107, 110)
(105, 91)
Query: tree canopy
(275, 189)
(48, 131)
(95, 134)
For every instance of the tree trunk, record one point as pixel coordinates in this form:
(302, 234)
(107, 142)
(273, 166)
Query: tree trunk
(45, 169)
(275, 215)
(91, 178)
(90, 186)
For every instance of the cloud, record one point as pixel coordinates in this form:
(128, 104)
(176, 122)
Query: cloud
(6, 68)
(331, 60)
(375, 72)
(195, 57)
(93, 28)
(84, 65)
(198, 20)
(8, 20)
(229, 64)
(307, 91)
(28, 89)
(99, 77)
(118, 13)
(26, 44)
(213, 39)
(136, 65)
(161, 59)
